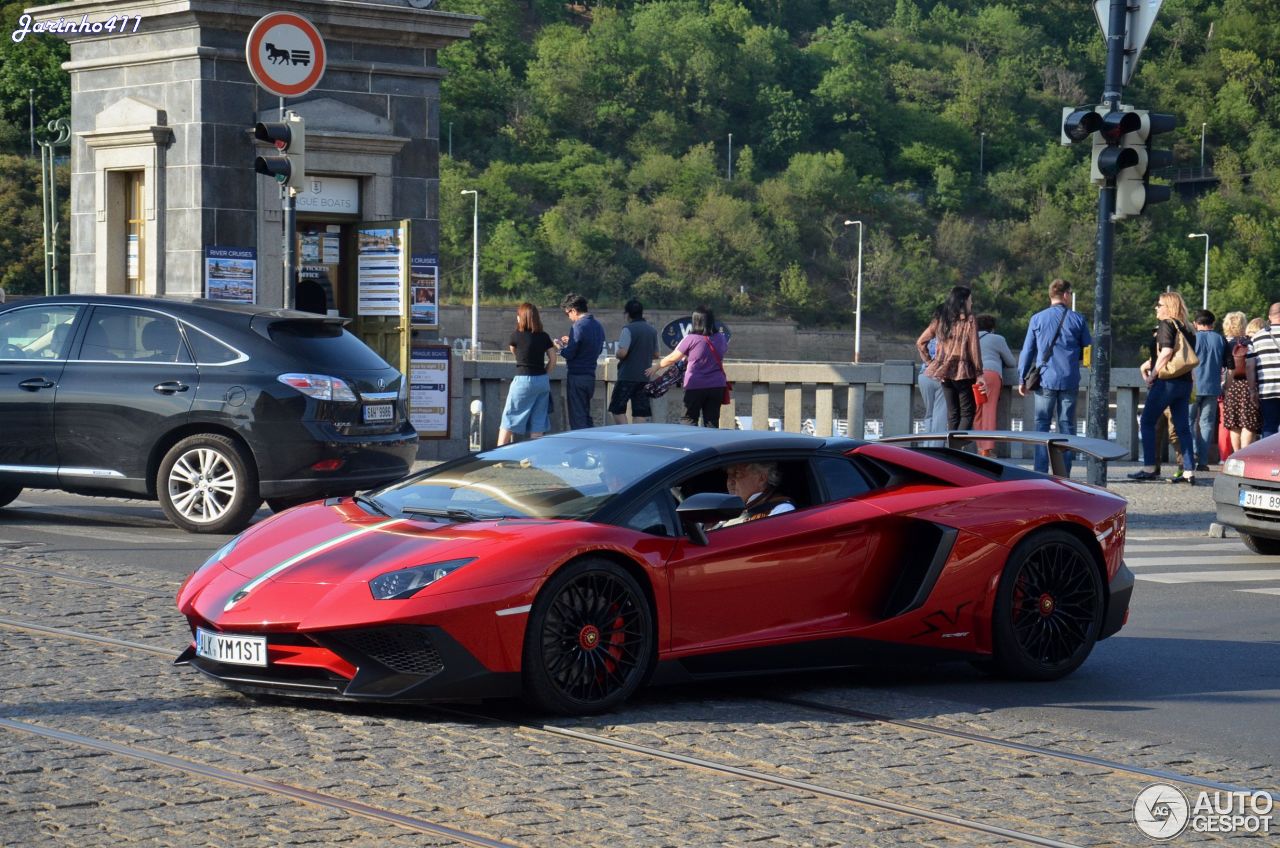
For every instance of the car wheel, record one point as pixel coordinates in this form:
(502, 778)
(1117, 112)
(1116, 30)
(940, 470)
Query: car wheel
(590, 642)
(208, 484)
(1261, 544)
(1048, 608)
(8, 494)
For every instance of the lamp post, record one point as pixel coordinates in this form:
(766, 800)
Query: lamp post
(475, 270)
(1202, 126)
(857, 308)
(1205, 236)
(730, 157)
(982, 150)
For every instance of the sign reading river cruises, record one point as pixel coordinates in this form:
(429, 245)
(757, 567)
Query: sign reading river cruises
(231, 274)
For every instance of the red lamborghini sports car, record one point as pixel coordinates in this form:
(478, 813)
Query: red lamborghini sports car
(573, 569)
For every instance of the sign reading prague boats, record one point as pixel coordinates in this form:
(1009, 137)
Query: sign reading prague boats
(285, 54)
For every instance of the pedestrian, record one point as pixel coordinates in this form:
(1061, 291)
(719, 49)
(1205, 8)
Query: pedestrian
(957, 363)
(996, 357)
(1264, 350)
(1241, 416)
(637, 348)
(527, 411)
(1212, 350)
(704, 377)
(1055, 343)
(935, 406)
(581, 350)
(1168, 392)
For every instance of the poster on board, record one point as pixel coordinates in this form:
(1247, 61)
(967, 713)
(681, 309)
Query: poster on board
(424, 292)
(429, 390)
(231, 274)
(380, 269)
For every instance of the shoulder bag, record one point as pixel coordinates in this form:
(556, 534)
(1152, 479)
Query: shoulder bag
(727, 397)
(1031, 379)
(1184, 358)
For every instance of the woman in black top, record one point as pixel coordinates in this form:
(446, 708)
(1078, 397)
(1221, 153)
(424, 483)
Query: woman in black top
(528, 400)
(1167, 392)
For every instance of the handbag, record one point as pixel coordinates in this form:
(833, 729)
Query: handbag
(663, 383)
(1031, 380)
(1239, 353)
(726, 397)
(1184, 358)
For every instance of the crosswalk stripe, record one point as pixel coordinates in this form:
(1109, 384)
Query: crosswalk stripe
(1148, 562)
(1210, 576)
(1260, 591)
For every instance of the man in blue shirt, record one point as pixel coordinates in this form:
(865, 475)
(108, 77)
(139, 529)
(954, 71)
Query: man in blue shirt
(1203, 412)
(580, 349)
(1059, 361)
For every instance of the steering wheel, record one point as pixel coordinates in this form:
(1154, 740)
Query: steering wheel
(12, 351)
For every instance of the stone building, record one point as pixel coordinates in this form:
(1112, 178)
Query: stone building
(162, 110)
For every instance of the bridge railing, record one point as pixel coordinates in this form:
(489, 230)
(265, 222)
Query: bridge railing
(790, 392)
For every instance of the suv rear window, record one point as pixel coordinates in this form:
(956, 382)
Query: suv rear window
(324, 345)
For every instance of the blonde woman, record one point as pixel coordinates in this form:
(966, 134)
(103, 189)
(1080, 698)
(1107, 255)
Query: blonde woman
(1170, 393)
(1241, 416)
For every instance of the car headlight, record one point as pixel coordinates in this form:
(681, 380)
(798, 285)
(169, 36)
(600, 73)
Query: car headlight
(406, 582)
(1234, 467)
(319, 386)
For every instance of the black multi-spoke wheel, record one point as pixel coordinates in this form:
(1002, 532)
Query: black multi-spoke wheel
(590, 639)
(1048, 608)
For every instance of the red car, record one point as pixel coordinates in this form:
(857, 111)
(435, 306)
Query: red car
(574, 568)
(1247, 495)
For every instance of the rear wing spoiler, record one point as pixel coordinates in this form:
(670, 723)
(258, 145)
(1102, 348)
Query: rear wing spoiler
(1057, 444)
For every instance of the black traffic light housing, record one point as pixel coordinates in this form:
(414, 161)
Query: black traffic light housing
(1134, 190)
(288, 164)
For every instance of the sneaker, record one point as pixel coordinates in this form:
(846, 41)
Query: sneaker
(1177, 473)
(1144, 475)
(1183, 478)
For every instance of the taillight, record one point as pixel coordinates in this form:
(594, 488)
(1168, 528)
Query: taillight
(319, 386)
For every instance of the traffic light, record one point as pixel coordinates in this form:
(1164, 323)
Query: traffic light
(288, 164)
(1078, 124)
(1134, 191)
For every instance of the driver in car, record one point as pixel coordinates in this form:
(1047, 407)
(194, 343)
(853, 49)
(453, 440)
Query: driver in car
(756, 483)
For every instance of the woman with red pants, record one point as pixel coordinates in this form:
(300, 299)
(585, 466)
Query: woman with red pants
(996, 357)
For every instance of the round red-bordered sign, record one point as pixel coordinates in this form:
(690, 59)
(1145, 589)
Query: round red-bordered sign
(285, 53)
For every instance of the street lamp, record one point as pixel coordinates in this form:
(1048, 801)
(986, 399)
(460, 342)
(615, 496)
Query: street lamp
(857, 308)
(730, 157)
(982, 149)
(475, 270)
(1205, 236)
(1202, 126)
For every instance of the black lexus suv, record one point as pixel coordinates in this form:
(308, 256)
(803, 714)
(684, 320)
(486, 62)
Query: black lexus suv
(208, 407)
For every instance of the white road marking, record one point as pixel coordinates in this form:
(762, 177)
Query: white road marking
(1261, 591)
(1211, 576)
(88, 534)
(1167, 562)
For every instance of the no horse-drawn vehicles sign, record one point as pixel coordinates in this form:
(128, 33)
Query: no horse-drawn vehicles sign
(285, 54)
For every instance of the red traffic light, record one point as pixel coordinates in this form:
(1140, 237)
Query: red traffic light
(1116, 125)
(274, 132)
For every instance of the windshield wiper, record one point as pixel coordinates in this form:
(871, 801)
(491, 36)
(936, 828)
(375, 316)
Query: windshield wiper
(371, 502)
(455, 513)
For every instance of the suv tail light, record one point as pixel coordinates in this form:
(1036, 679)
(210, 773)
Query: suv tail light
(319, 386)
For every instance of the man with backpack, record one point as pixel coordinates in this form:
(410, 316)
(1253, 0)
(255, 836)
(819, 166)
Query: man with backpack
(1211, 347)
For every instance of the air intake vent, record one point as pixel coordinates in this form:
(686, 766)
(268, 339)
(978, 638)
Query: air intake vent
(407, 650)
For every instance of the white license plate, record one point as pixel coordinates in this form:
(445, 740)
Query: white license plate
(379, 412)
(1268, 501)
(233, 650)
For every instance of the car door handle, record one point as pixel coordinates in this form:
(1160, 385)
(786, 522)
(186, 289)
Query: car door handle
(35, 384)
(170, 386)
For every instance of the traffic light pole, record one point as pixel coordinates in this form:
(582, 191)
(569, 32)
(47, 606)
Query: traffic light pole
(1100, 366)
(290, 199)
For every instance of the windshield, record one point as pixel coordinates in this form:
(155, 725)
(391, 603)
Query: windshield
(541, 478)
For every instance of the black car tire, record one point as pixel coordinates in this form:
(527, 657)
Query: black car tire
(208, 483)
(281, 504)
(1261, 544)
(590, 642)
(1048, 608)
(8, 493)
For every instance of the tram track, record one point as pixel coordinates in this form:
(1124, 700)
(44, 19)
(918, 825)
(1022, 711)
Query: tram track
(728, 770)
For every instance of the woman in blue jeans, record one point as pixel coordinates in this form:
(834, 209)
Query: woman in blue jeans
(1170, 393)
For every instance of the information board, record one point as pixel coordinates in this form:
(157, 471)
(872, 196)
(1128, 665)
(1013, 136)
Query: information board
(429, 390)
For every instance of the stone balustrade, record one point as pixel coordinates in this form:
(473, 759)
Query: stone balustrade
(788, 391)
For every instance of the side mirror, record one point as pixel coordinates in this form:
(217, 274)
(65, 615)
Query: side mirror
(707, 507)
